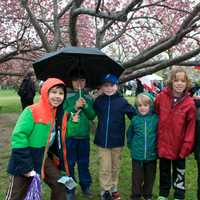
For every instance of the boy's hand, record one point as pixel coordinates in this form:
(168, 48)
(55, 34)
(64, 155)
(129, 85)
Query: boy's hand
(80, 103)
(75, 116)
(30, 174)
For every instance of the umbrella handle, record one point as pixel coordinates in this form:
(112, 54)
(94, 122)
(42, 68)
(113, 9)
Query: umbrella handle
(80, 95)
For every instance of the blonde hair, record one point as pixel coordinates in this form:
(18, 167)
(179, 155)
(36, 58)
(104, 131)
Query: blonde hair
(172, 77)
(142, 99)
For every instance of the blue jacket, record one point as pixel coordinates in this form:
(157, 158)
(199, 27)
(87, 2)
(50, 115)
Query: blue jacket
(111, 112)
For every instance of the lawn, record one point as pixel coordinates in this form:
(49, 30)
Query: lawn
(9, 110)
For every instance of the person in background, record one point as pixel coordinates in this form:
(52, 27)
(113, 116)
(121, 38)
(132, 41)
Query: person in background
(27, 90)
(176, 132)
(111, 109)
(139, 87)
(197, 139)
(80, 106)
(141, 140)
(31, 138)
(197, 145)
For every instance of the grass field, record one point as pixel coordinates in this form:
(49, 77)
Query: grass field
(9, 110)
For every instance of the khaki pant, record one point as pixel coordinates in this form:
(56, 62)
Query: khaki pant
(109, 168)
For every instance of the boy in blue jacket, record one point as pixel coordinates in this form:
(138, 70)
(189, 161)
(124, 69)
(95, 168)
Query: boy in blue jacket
(141, 139)
(110, 108)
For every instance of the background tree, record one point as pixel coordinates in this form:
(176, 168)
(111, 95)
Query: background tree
(138, 33)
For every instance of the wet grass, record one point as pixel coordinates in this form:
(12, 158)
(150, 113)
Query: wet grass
(9, 103)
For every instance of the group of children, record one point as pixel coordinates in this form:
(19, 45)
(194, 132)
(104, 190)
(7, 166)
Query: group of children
(50, 137)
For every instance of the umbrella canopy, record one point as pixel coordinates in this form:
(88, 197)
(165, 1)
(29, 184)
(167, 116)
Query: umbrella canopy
(147, 81)
(93, 61)
(149, 78)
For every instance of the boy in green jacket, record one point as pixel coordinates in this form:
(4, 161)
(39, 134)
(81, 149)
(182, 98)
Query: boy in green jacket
(79, 104)
(141, 138)
(30, 141)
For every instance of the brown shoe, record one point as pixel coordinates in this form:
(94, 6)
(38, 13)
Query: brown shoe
(116, 196)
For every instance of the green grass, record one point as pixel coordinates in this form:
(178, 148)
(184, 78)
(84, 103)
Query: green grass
(10, 103)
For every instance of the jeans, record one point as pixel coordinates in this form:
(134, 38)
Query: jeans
(78, 151)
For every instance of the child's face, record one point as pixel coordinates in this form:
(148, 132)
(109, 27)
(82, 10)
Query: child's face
(109, 88)
(56, 96)
(78, 84)
(179, 84)
(143, 109)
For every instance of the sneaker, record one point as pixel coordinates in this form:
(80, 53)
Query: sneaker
(87, 193)
(106, 196)
(71, 196)
(178, 199)
(116, 196)
(162, 198)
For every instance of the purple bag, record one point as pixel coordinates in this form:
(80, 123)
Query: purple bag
(34, 190)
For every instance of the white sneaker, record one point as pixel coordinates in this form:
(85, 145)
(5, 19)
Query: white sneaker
(162, 198)
(178, 199)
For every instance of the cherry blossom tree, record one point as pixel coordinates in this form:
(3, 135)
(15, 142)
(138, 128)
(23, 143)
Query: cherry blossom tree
(144, 35)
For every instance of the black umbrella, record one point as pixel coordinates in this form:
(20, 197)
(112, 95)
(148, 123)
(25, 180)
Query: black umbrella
(61, 63)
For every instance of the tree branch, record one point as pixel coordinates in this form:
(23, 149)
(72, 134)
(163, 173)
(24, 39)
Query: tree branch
(118, 16)
(161, 65)
(73, 21)
(36, 26)
(57, 34)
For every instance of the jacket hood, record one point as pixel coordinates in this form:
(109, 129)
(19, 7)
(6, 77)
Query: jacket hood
(47, 85)
(43, 111)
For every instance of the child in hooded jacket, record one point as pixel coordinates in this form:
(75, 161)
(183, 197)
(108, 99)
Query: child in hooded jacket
(31, 139)
(141, 139)
(176, 132)
(111, 109)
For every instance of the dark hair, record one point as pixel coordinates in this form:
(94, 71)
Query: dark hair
(77, 73)
(63, 87)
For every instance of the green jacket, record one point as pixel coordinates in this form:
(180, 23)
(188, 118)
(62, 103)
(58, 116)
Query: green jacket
(80, 129)
(30, 135)
(27, 133)
(141, 135)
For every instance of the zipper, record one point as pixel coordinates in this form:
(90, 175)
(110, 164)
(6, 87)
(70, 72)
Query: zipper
(59, 142)
(47, 145)
(145, 140)
(107, 124)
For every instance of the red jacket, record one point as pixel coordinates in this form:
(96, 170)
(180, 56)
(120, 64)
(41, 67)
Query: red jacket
(176, 127)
